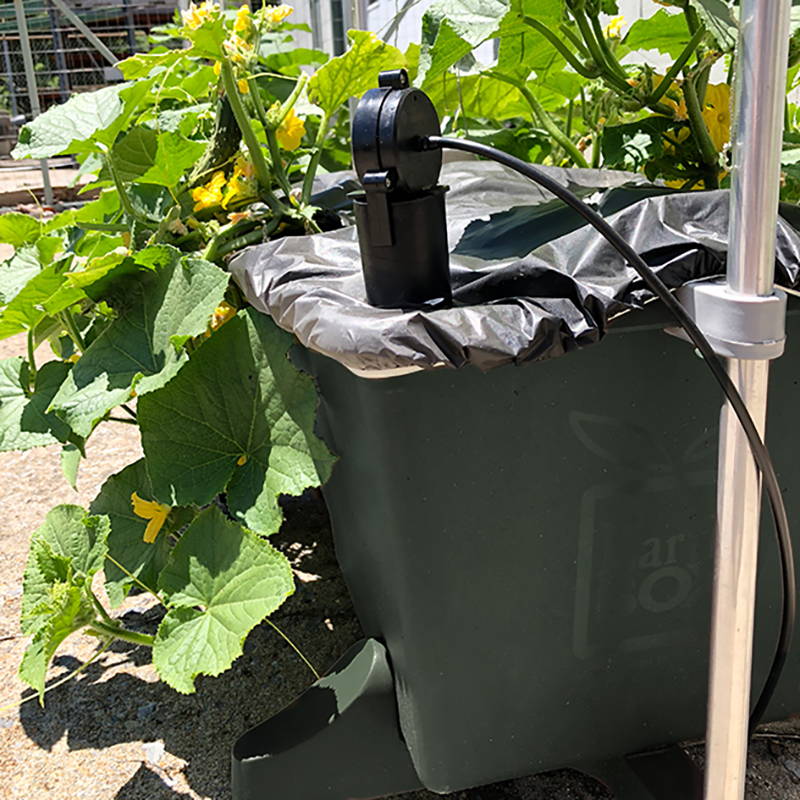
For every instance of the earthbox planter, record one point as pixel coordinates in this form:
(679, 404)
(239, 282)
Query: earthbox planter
(529, 549)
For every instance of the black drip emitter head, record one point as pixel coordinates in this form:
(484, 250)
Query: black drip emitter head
(400, 216)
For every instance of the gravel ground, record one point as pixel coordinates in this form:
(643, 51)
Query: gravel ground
(116, 732)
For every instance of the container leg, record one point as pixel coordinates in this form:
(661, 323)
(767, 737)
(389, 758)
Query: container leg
(667, 774)
(340, 739)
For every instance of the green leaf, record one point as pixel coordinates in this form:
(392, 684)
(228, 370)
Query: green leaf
(221, 581)
(720, 22)
(84, 121)
(67, 609)
(175, 155)
(138, 348)
(126, 543)
(351, 74)
(17, 271)
(45, 294)
(665, 32)
(630, 146)
(18, 229)
(478, 96)
(451, 29)
(139, 65)
(24, 420)
(238, 417)
(70, 463)
(71, 126)
(69, 545)
(134, 153)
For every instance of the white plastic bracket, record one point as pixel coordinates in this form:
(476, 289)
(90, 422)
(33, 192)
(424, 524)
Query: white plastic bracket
(736, 325)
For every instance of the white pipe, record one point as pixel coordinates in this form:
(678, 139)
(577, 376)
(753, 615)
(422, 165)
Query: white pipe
(757, 140)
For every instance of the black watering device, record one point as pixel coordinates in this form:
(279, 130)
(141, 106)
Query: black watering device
(400, 214)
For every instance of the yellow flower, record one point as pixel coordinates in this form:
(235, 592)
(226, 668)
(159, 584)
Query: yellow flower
(222, 313)
(242, 460)
(238, 216)
(717, 114)
(150, 510)
(678, 107)
(217, 68)
(243, 22)
(244, 86)
(237, 48)
(210, 194)
(242, 184)
(614, 27)
(290, 132)
(277, 14)
(194, 16)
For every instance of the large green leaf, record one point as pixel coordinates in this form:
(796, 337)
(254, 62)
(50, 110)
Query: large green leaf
(45, 294)
(220, 582)
(141, 348)
(65, 553)
(631, 145)
(17, 271)
(451, 29)
(720, 21)
(140, 64)
(67, 609)
(238, 417)
(665, 32)
(175, 155)
(86, 119)
(126, 543)
(70, 543)
(351, 74)
(18, 229)
(24, 420)
(69, 127)
(134, 153)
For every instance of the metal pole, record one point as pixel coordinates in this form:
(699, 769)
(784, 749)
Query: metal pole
(757, 139)
(94, 40)
(12, 86)
(58, 48)
(33, 91)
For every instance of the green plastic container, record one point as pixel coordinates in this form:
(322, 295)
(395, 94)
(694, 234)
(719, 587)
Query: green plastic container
(534, 546)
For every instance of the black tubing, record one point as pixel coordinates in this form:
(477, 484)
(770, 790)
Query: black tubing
(757, 447)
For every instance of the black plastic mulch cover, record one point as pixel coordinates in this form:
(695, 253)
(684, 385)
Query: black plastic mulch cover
(529, 282)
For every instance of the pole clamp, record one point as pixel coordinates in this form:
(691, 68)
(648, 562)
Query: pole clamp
(736, 325)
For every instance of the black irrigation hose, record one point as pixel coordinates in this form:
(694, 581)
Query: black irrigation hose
(758, 448)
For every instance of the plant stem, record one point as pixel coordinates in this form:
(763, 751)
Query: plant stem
(597, 56)
(124, 200)
(109, 227)
(254, 237)
(134, 578)
(570, 112)
(288, 104)
(31, 360)
(608, 57)
(585, 70)
(68, 677)
(295, 648)
(576, 40)
(679, 64)
(249, 136)
(103, 613)
(708, 152)
(544, 118)
(72, 329)
(118, 632)
(313, 164)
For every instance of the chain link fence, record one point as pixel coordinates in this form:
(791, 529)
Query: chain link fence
(65, 59)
